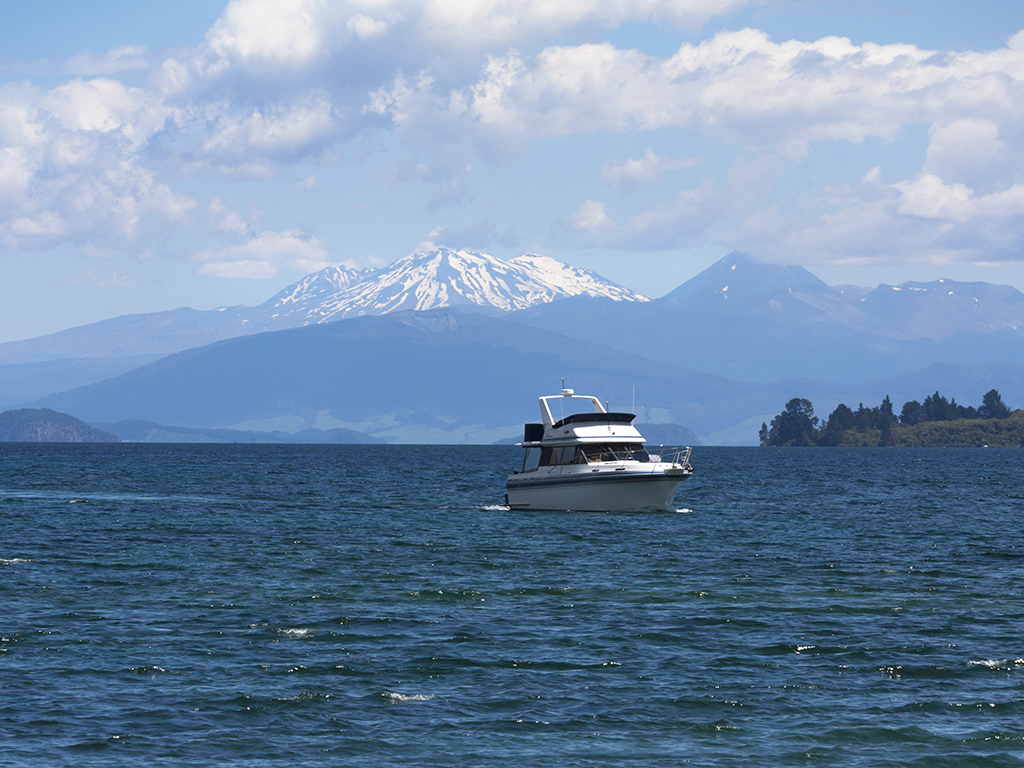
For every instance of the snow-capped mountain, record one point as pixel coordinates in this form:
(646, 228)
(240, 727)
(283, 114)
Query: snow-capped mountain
(301, 299)
(440, 278)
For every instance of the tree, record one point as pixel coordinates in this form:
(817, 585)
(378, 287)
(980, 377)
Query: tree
(840, 420)
(912, 413)
(938, 408)
(763, 434)
(887, 417)
(794, 426)
(992, 406)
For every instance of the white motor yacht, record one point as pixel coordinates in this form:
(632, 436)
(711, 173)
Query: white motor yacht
(592, 461)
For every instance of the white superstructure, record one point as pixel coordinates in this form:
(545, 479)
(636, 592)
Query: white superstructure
(592, 461)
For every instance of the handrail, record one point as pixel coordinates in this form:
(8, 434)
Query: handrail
(680, 456)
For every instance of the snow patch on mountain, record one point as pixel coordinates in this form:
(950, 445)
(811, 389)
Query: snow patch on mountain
(312, 290)
(440, 278)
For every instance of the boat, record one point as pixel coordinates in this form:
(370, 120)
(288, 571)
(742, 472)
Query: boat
(592, 461)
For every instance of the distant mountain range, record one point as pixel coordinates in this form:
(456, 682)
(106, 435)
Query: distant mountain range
(434, 376)
(717, 355)
(440, 278)
(762, 322)
(443, 376)
(140, 431)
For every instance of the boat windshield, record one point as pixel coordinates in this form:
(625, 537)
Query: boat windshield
(615, 452)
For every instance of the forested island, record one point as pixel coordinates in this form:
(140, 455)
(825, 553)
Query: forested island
(935, 422)
(42, 425)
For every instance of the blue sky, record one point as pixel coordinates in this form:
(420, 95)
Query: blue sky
(207, 153)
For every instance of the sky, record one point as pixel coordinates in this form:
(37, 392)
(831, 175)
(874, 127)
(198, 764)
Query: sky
(204, 154)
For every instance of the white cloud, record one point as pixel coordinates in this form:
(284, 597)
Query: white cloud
(591, 218)
(70, 169)
(743, 85)
(285, 129)
(694, 214)
(928, 197)
(224, 220)
(102, 106)
(265, 255)
(365, 27)
(270, 32)
(924, 220)
(648, 169)
(276, 82)
(126, 58)
(296, 33)
(103, 278)
(276, 79)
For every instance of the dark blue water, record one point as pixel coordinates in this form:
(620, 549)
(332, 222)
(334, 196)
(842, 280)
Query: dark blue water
(352, 605)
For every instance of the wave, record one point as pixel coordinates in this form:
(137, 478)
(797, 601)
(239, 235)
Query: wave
(997, 663)
(402, 697)
(298, 632)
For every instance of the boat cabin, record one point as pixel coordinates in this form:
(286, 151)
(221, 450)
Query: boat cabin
(591, 453)
(594, 436)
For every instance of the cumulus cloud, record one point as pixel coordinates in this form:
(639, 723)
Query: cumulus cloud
(365, 27)
(227, 221)
(279, 78)
(297, 33)
(744, 87)
(71, 170)
(264, 255)
(695, 212)
(279, 82)
(648, 169)
(924, 220)
(591, 218)
(270, 33)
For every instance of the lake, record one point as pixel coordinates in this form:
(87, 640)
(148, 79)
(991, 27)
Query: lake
(219, 605)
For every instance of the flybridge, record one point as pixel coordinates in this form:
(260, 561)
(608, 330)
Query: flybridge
(567, 394)
(599, 415)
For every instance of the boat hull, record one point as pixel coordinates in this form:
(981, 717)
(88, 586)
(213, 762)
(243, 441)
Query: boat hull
(605, 491)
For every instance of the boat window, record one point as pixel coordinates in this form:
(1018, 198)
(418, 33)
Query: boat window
(568, 454)
(531, 459)
(616, 452)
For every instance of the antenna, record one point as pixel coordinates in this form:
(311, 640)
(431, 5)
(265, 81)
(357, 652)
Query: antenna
(633, 410)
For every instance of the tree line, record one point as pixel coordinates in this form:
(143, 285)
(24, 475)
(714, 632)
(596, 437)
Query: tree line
(797, 424)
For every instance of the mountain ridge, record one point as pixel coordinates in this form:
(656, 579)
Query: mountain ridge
(330, 294)
(442, 376)
(756, 326)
